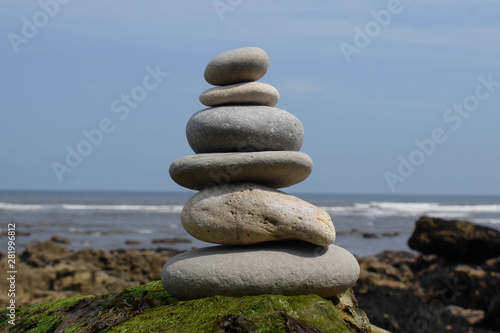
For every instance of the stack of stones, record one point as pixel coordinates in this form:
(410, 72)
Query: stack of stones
(271, 242)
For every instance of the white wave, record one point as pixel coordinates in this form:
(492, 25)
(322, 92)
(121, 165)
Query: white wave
(448, 215)
(405, 206)
(77, 230)
(175, 209)
(419, 207)
(11, 206)
(410, 209)
(147, 208)
(492, 221)
(372, 209)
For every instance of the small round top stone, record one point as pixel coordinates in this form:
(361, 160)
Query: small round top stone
(240, 65)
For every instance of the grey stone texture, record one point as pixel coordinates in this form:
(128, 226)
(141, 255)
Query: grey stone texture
(246, 213)
(248, 93)
(276, 169)
(285, 268)
(244, 128)
(236, 66)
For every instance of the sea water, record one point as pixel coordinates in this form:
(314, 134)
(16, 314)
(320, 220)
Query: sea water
(365, 224)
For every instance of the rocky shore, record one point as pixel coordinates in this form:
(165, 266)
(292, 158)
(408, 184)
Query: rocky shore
(49, 271)
(451, 285)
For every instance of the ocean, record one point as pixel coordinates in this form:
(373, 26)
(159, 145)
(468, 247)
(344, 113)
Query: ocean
(365, 224)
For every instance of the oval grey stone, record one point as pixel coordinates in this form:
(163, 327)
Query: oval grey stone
(245, 213)
(271, 168)
(235, 66)
(284, 268)
(244, 128)
(241, 93)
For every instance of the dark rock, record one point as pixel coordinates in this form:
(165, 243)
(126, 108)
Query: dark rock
(299, 326)
(351, 232)
(397, 258)
(472, 316)
(404, 292)
(369, 235)
(175, 240)
(237, 323)
(60, 240)
(49, 271)
(132, 242)
(41, 254)
(374, 272)
(491, 265)
(348, 307)
(401, 310)
(469, 287)
(457, 241)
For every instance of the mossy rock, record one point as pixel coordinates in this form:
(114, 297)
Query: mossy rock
(149, 308)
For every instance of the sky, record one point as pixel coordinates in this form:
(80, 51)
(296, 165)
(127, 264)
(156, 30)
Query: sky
(396, 97)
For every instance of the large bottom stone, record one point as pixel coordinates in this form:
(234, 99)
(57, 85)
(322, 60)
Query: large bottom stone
(285, 268)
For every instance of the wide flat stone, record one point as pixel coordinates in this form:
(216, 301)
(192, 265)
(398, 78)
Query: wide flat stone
(246, 213)
(235, 66)
(241, 93)
(284, 268)
(271, 168)
(244, 128)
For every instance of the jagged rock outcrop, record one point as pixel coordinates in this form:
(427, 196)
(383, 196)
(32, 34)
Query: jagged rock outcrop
(458, 241)
(49, 271)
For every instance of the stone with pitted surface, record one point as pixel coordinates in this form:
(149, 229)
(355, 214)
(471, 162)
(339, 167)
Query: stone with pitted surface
(246, 213)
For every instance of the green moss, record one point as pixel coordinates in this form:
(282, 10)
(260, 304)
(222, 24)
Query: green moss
(270, 313)
(149, 308)
(38, 318)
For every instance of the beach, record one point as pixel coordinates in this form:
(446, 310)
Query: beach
(91, 243)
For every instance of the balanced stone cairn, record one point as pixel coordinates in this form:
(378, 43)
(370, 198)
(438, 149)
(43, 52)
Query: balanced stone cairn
(272, 242)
